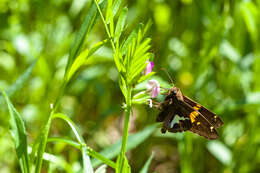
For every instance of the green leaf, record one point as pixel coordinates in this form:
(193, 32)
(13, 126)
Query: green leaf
(79, 61)
(66, 141)
(86, 161)
(96, 47)
(57, 161)
(250, 15)
(84, 30)
(20, 82)
(17, 130)
(147, 164)
(87, 167)
(120, 24)
(108, 10)
(116, 6)
(40, 144)
(129, 39)
(122, 164)
(145, 77)
(133, 141)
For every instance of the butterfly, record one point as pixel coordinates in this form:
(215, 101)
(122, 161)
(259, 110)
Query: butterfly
(197, 118)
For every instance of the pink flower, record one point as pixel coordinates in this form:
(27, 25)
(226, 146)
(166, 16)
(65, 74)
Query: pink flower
(154, 87)
(149, 67)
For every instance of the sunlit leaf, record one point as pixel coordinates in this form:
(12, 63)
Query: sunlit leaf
(18, 132)
(20, 81)
(89, 21)
(120, 24)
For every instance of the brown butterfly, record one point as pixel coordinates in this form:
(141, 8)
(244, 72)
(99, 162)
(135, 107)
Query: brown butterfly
(197, 118)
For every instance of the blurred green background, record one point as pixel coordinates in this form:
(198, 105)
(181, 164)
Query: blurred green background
(210, 48)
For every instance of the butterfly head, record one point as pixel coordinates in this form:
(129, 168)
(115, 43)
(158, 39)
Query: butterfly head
(175, 93)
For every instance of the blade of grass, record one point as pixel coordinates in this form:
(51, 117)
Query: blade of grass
(17, 130)
(20, 82)
(129, 39)
(85, 28)
(133, 141)
(147, 164)
(120, 23)
(57, 160)
(86, 161)
(66, 141)
(90, 151)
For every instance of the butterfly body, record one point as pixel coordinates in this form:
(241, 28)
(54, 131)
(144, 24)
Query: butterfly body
(197, 118)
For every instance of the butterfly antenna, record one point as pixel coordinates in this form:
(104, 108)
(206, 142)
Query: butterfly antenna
(167, 74)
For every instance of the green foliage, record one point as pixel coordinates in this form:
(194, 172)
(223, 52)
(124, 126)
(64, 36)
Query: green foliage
(92, 51)
(147, 164)
(18, 132)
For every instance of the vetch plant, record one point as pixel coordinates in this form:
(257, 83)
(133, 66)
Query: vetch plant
(134, 64)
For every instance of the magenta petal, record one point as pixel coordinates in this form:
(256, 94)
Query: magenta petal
(154, 87)
(149, 67)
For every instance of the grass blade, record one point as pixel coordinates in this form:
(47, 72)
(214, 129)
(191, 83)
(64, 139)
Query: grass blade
(85, 28)
(120, 24)
(133, 141)
(147, 164)
(87, 168)
(17, 130)
(20, 82)
(130, 38)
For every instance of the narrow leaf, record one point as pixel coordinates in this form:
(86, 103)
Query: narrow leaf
(17, 130)
(87, 167)
(120, 24)
(79, 61)
(130, 38)
(20, 81)
(145, 77)
(133, 141)
(86, 161)
(122, 164)
(85, 28)
(147, 164)
(97, 46)
(116, 6)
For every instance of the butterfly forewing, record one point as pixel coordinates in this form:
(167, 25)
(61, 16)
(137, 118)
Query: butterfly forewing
(212, 118)
(200, 124)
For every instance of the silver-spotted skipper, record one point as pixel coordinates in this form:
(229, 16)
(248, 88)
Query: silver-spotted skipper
(197, 118)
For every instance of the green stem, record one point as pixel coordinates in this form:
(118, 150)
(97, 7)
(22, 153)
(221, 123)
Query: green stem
(95, 154)
(90, 151)
(44, 134)
(127, 98)
(126, 122)
(107, 30)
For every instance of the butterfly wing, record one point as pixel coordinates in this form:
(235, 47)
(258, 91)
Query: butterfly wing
(211, 117)
(200, 124)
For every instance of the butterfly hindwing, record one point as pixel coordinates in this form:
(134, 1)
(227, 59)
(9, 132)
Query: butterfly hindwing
(200, 124)
(212, 118)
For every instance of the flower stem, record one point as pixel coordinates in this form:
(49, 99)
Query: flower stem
(106, 28)
(126, 122)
